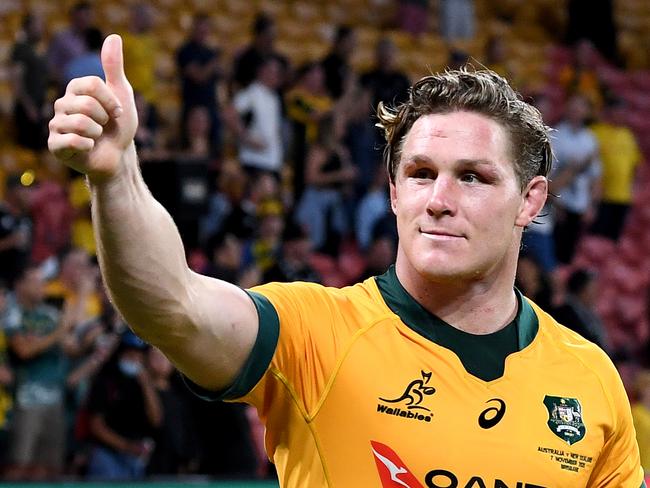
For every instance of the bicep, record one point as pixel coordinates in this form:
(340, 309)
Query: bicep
(223, 326)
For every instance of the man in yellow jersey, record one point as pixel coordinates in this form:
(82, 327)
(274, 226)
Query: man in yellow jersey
(435, 374)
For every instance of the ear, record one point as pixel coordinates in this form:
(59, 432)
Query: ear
(393, 196)
(533, 199)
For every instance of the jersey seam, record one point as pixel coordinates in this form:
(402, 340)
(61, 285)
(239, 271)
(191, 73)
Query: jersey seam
(294, 398)
(339, 364)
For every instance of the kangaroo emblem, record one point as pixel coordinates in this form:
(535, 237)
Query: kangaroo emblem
(414, 393)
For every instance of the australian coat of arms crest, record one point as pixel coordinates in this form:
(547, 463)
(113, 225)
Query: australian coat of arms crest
(565, 418)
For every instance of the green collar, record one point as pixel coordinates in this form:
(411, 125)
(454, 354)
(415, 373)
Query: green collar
(482, 355)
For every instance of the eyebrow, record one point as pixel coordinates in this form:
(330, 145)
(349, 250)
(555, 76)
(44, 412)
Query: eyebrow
(417, 158)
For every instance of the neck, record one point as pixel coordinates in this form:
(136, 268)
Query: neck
(478, 305)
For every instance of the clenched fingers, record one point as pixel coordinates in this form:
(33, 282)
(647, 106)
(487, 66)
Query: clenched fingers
(65, 146)
(76, 124)
(85, 105)
(94, 87)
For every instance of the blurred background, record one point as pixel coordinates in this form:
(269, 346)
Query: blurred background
(257, 134)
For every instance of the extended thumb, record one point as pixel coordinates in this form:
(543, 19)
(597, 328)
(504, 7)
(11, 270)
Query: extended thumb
(113, 61)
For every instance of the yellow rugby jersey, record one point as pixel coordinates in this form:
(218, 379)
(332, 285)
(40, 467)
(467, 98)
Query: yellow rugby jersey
(355, 391)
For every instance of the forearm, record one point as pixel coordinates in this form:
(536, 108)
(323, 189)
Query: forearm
(27, 347)
(140, 253)
(152, 405)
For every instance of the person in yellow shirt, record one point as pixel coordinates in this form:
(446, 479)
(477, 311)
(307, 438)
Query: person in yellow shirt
(438, 373)
(641, 416)
(620, 156)
(76, 286)
(140, 50)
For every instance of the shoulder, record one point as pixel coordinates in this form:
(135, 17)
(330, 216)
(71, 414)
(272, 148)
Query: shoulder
(312, 298)
(572, 347)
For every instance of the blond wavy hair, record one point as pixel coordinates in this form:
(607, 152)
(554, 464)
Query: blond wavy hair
(480, 91)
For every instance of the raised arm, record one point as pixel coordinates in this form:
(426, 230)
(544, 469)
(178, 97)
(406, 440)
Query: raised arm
(205, 326)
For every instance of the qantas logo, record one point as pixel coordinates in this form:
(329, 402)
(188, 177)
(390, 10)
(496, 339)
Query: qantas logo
(393, 473)
(392, 470)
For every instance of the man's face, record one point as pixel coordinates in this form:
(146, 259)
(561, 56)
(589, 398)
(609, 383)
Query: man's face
(457, 198)
(32, 286)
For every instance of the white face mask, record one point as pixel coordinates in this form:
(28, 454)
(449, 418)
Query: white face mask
(128, 367)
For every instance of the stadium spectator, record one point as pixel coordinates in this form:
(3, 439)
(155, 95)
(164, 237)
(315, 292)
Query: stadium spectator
(294, 262)
(373, 208)
(16, 229)
(88, 63)
(620, 156)
(258, 126)
(149, 139)
(385, 81)
(225, 253)
(329, 176)
(307, 105)
(175, 450)
(76, 286)
(52, 215)
(261, 47)
(380, 255)
(263, 249)
(576, 178)
(30, 79)
(36, 333)
(196, 143)
(69, 43)
(199, 66)
(534, 282)
(227, 206)
(339, 75)
(124, 411)
(578, 310)
(580, 77)
(141, 47)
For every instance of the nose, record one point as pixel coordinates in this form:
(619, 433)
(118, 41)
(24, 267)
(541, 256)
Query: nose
(442, 200)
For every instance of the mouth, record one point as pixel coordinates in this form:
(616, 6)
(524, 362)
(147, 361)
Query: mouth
(440, 235)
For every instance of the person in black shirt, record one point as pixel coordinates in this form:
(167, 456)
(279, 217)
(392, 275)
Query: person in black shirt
(385, 82)
(199, 68)
(578, 312)
(124, 411)
(262, 47)
(337, 63)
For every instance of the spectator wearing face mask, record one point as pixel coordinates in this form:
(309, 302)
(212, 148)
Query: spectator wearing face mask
(124, 411)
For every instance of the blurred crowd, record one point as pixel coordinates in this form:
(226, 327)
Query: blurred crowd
(273, 171)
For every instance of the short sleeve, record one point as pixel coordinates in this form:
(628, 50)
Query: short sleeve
(619, 464)
(316, 326)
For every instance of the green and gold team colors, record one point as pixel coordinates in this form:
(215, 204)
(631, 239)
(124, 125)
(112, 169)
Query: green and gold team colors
(362, 387)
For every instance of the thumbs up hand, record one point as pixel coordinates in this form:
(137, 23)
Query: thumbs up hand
(95, 121)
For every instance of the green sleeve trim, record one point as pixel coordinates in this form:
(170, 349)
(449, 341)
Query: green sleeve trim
(643, 485)
(259, 359)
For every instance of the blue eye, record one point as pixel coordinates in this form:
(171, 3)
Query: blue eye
(471, 178)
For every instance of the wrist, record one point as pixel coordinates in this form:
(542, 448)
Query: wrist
(124, 169)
